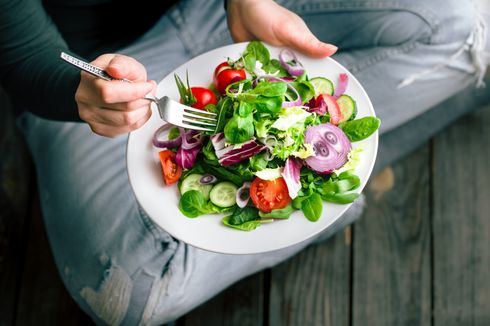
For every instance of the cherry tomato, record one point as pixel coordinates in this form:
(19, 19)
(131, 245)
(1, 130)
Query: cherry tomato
(269, 194)
(224, 75)
(171, 171)
(204, 96)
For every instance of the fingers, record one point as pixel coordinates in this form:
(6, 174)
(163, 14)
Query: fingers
(121, 67)
(115, 107)
(117, 91)
(295, 34)
(310, 46)
(111, 123)
(268, 21)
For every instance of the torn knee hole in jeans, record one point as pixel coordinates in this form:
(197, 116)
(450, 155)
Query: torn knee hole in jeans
(122, 299)
(474, 45)
(111, 300)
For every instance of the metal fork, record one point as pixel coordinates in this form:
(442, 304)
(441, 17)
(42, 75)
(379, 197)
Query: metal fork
(171, 111)
(184, 116)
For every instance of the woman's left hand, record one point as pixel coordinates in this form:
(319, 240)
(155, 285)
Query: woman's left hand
(267, 21)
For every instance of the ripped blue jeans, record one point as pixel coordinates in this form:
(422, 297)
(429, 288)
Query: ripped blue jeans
(120, 267)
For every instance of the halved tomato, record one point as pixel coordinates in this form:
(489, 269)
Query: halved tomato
(171, 171)
(269, 194)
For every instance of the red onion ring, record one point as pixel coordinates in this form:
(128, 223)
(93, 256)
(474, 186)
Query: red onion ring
(297, 102)
(243, 195)
(208, 179)
(165, 143)
(295, 69)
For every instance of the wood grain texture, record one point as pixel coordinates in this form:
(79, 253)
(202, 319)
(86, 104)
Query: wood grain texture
(241, 304)
(15, 173)
(43, 299)
(461, 175)
(391, 259)
(313, 287)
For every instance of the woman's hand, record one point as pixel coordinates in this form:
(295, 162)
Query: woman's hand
(112, 108)
(267, 21)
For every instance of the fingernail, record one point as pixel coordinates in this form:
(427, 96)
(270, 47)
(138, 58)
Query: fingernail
(332, 48)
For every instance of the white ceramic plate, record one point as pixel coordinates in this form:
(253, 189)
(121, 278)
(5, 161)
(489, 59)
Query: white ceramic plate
(207, 232)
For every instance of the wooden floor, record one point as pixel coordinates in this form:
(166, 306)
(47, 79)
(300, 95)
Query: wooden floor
(419, 256)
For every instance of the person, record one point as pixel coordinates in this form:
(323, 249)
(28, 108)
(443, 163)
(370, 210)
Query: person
(116, 263)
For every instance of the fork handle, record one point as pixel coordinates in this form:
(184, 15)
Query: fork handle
(91, 69)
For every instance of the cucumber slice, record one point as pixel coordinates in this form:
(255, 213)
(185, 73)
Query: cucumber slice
(223, 194)
(348, 107)
(322, 85)
(191, 182)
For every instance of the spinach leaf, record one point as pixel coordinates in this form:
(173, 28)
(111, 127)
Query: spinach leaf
(245, 109)
(239, 129)
(345, 182)
(247, 226)
(304, 89)
(254, 52)
(341, 198)
(270, 89)
(274, 68)
(312, 207)
(269, 105)
(242, 215)
(193, 204)
(245, 219)
(249, 60)
(360, 129)
(282, 213)
(260, 51)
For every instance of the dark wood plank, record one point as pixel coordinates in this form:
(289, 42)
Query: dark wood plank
(462, 222)
(313, 288)
(391, 257)
(43, 298)
(241, 304)
(15, 174)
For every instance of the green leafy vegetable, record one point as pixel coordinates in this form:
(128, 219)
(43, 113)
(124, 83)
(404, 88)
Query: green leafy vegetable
(360, 129)
(242, 215)
(282, 213)
(255, 51)
(341, 198)
(312, 207)
(239, 129)
(192, 204)
(247, 226)
(245, 219)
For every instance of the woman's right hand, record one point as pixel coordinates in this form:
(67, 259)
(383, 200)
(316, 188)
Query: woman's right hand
(115, 107)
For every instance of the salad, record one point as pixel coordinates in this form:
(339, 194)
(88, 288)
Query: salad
(283, 142)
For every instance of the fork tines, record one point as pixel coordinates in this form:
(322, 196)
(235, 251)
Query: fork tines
(199, 119)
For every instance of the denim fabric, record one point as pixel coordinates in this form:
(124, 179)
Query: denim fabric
(123, 269)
